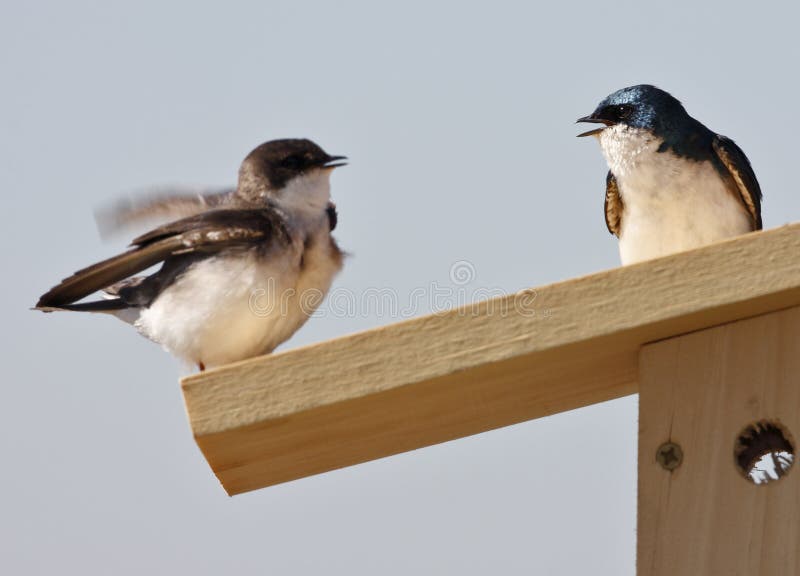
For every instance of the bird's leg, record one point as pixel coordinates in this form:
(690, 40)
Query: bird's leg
(201, 366)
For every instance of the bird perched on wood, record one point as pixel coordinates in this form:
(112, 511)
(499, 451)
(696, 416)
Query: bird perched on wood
(241, 270)
(672, 184)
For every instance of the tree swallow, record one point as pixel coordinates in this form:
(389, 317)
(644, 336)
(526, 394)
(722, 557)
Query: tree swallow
(672, 184)
(241, 270)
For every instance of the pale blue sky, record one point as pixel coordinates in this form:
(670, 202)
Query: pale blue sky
(458, 120)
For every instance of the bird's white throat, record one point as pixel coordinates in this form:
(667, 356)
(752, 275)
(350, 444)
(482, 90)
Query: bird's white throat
(306, 197)
(626, 148)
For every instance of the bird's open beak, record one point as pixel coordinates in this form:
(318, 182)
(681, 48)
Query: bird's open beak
(594, 120)
(335, 162)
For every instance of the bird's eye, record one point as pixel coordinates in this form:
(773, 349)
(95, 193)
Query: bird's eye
(624, 110)
(292, 162)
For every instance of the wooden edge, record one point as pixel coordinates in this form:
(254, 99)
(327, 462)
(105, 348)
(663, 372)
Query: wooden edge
(435, 378)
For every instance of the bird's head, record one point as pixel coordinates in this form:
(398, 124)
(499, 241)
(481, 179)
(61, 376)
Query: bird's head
(643, 106)
(287, 170)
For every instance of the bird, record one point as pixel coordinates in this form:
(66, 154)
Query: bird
(241, 270)
(672, 183)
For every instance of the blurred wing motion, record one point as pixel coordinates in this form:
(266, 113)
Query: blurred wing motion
(158, 206)
(177, 244)
(742, 179)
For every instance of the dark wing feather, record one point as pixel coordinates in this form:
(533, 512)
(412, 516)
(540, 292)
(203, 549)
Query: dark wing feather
(132, 282)
(108, 272)
(742, 179)
(333, 216)
(222, 225)
(614, 205)
(158, 206)
(203, 233)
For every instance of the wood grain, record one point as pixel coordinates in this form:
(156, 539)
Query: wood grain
(700, 390)
(432, 379)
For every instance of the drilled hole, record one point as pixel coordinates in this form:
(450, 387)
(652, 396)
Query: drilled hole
(764, 452)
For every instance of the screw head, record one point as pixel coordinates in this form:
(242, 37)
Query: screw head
(669, 455)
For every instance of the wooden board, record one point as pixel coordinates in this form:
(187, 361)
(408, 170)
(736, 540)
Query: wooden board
(700, 390)
(445, 376)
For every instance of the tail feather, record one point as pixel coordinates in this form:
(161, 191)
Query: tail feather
(110, 305)
(114, 306)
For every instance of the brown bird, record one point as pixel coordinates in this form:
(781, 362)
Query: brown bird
(241, 270)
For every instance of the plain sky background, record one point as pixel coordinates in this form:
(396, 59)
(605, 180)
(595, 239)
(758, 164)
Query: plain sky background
(458, 120)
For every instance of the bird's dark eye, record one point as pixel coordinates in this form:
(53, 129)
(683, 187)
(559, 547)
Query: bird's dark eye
(617, 112)
(293, 162)
(624, 111)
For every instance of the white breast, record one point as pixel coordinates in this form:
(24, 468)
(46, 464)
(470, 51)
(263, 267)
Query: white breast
(670, 204)
(239, 305)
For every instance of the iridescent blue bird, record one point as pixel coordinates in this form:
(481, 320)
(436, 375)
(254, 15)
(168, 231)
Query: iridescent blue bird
(672, 184)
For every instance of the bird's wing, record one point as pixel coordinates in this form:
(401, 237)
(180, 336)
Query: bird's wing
(742, 179)
(201, 234)
(158, 206)
(614, 205)
(333, 216)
